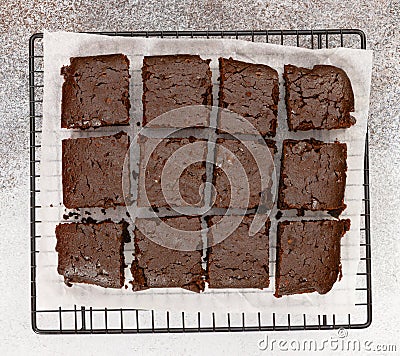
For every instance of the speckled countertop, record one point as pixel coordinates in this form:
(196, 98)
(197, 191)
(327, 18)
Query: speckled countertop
(19, 19)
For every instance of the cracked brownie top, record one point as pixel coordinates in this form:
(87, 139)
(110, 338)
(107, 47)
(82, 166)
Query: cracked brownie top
(92, 171)
(157, 185)
(156, 266)
(174, 81)
(92, 253)
(318, 98)
(313, 176)
(250, 90)
(308, 256)
(228, 178)
(95, 92)
(239, 260)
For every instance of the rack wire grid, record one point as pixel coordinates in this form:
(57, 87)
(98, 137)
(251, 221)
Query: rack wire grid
(87, 320)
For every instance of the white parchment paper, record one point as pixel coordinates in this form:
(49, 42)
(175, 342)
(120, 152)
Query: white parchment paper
(51, 290)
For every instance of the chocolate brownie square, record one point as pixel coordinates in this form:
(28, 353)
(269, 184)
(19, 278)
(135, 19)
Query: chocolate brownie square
(92, 253)
(313, 176)
(318, 98)
(175, 81)
(239, 163)
(237, 260)
(308, 256)
(92, 171)
(172, 172)
(250, 90)
(95, 92)
(158, 266)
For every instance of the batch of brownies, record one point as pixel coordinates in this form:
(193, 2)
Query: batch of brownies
(95, 94)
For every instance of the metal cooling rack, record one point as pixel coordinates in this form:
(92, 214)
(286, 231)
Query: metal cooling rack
(87, 320)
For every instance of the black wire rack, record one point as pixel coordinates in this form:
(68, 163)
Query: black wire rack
(87, 320)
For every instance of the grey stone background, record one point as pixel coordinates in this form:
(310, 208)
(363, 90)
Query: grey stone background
(19, 19)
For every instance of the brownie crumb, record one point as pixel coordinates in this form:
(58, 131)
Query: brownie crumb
(300, 212)
(135, 175)
(126, 235)
(89, 220)
(72, 214)
(335, 213)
